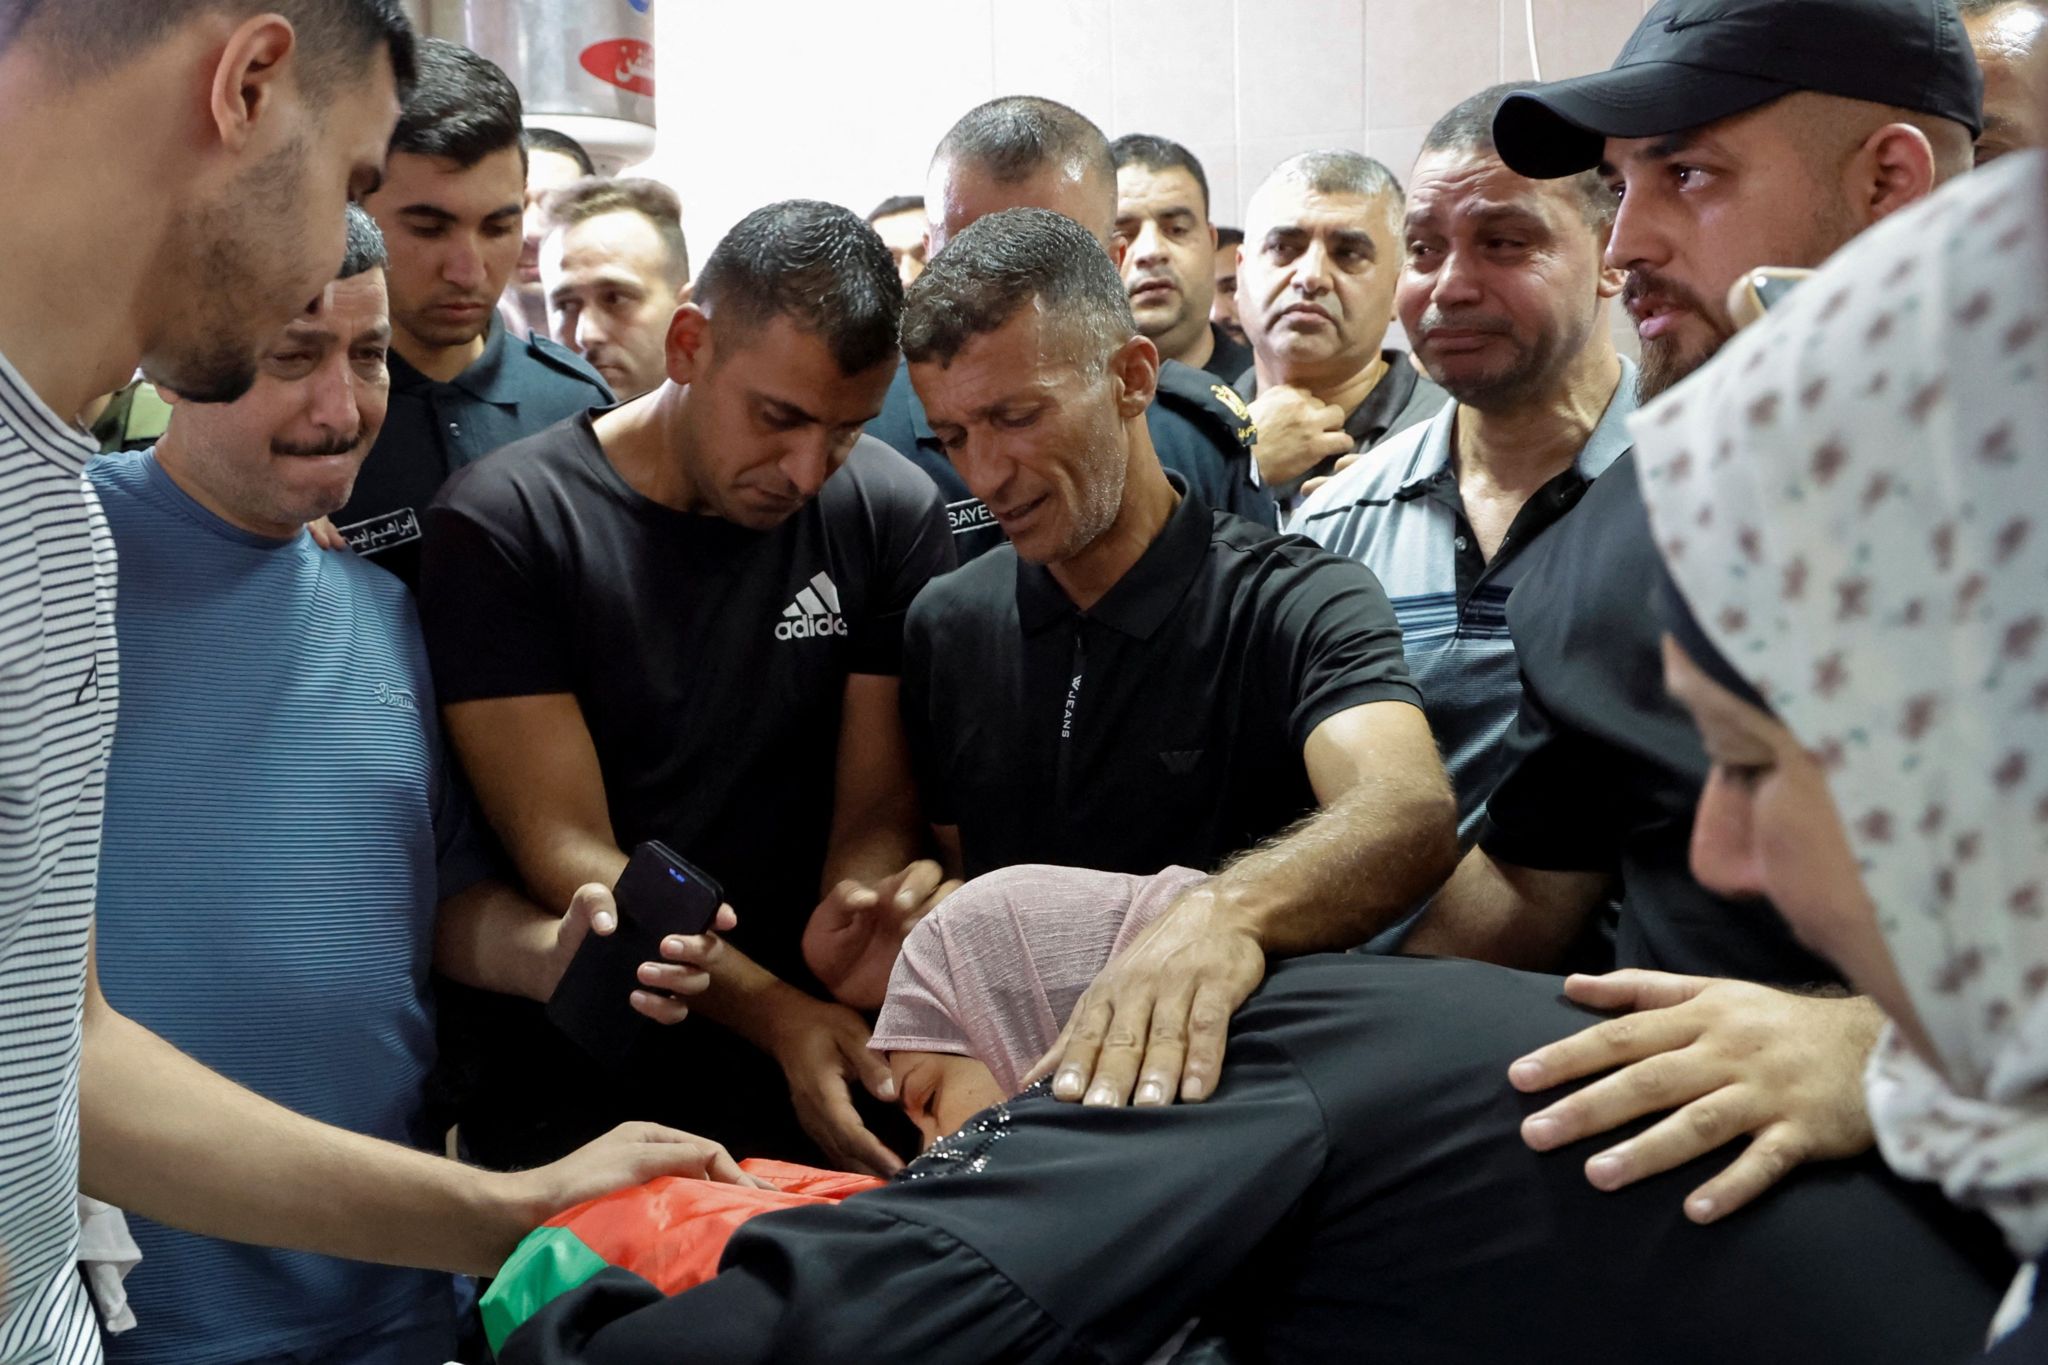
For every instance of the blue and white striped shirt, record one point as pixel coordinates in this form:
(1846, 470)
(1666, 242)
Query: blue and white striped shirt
(1399, 512)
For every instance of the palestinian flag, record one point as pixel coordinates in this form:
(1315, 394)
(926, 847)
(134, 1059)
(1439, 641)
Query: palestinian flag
(670, 1232)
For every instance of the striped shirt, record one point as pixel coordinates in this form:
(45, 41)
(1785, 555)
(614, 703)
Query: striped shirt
(58, 679)
(281, 816)
(1398, 511)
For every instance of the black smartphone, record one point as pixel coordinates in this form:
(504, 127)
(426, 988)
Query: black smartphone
(658, 894)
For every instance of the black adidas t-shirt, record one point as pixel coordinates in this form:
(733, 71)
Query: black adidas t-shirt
(710, 661)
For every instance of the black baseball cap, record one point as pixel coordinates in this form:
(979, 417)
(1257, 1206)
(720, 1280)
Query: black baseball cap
(1693, 62)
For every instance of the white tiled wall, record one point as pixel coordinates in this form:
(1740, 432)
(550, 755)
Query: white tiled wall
(843, 99)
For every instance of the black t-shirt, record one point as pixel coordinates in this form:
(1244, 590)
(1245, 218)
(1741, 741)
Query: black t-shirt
(1200, 428)
(710, 661)
(1602, 769)
(1163, 725)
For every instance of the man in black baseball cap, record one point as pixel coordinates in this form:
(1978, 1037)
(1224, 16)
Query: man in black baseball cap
(1736, 134)
(1784, 127)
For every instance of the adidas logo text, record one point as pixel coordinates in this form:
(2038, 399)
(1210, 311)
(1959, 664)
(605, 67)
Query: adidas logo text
(814, 613)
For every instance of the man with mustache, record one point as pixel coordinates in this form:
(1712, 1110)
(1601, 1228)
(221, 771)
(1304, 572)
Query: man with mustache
(1315, 292)
(281, 815)
(1504, 297)
(1735, 134)
(451, 208)
(1162, 213)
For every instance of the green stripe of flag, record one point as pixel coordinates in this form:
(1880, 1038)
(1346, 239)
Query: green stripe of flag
(547, 1265)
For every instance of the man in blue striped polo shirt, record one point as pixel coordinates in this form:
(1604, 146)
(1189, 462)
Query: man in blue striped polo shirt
(286, 848)
(1504, 296)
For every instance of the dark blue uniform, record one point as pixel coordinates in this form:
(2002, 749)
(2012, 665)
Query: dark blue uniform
(514, 389)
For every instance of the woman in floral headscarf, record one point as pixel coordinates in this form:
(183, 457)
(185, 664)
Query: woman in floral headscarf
(1853, 503)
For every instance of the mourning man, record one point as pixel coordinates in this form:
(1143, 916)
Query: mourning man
(681, 620)
(1162, 214)
(1315, 292)
(235, 626)
(611, 267)
(1023, 152)
(899, 221)
(1033, 677)
(1503, 295)
(451, 208)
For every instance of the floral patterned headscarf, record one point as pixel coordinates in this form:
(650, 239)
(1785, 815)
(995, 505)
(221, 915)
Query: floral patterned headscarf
(1853, 499)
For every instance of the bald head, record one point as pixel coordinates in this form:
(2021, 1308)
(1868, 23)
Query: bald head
(1021, 151)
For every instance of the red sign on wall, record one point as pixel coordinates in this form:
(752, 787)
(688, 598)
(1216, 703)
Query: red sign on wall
(625, 62)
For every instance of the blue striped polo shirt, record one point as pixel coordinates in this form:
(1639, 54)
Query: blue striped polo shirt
(1398, 511)
(280, 827)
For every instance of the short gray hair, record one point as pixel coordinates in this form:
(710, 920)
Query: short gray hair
(1004, 263)
(1333, 170)
(365, 251)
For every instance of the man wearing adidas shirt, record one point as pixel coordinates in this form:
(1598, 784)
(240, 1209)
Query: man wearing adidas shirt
(681, 620)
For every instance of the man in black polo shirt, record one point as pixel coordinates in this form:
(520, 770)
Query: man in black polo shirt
(681, 620)
(1791, 130)
(1315, 292)
(1162, 213)
(1137, 680)
(461, 385)
(1025, 152)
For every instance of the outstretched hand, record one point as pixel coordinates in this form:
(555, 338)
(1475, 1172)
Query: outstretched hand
(1729, 1059)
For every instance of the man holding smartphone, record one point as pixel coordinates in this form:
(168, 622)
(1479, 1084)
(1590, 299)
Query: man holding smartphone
(681, 620)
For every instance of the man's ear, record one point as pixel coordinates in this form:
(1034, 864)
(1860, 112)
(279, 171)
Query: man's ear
(1893, 168)
(1613, 280)
(1135, 368)
(247, 78)
(689, 343)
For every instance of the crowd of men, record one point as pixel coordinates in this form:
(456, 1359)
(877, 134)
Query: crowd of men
(1034, 522)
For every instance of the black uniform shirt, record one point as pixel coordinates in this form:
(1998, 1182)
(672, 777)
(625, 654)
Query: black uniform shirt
(514, 389)
(1163, 725)
(1200, 429)
(710, 664)
(1229, 357)
(1602, 769)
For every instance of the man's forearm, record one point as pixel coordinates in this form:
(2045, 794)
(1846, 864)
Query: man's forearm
(1346, 872)
(163, 1136)
(750, 1000)
(495, 939)
(1515, 916)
